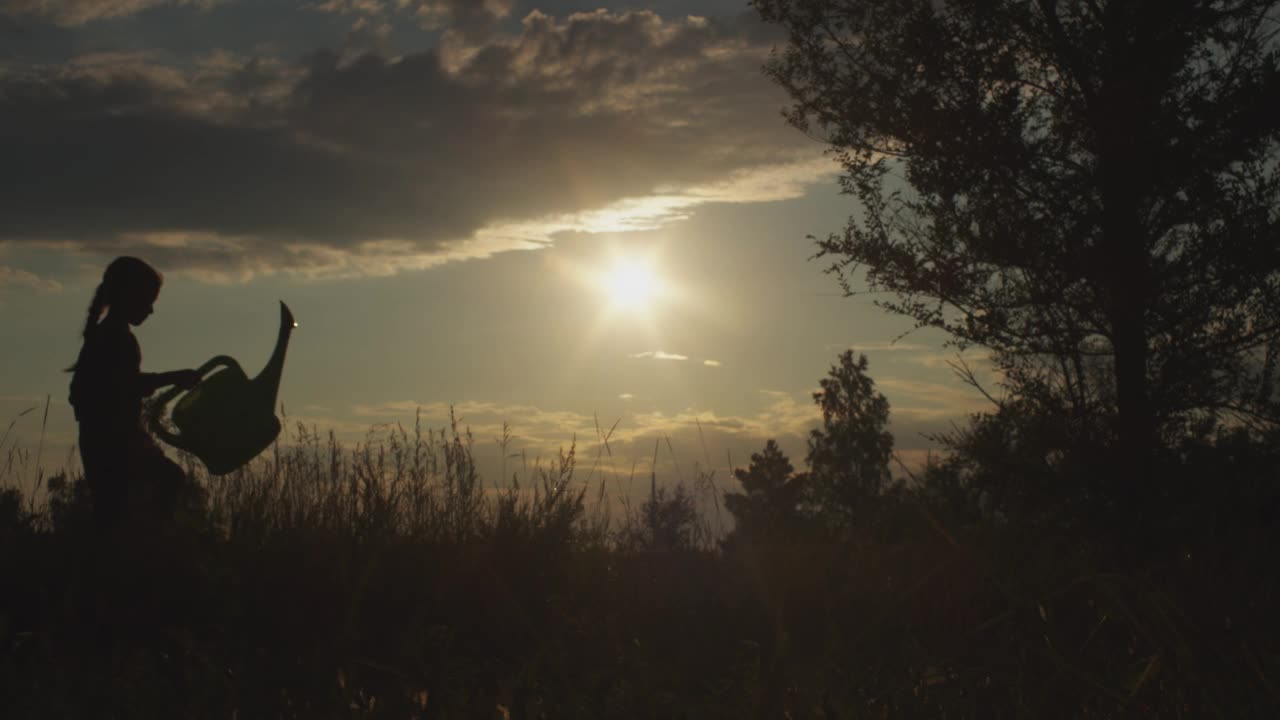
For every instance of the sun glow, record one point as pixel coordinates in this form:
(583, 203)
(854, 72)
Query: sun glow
(633, 297)
(630, 284)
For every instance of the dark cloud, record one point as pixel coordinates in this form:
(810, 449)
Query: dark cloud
(17, 40)
(79, 12)
(235, 162)
(473, 19)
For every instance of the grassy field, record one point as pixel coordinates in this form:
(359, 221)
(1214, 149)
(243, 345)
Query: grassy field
(390, 580)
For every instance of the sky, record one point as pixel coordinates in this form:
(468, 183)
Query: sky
(550, 214)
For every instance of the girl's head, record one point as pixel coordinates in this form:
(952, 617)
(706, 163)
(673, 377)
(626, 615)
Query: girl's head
(128, 289)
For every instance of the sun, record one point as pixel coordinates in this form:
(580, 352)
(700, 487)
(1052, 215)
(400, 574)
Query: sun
(631, 284)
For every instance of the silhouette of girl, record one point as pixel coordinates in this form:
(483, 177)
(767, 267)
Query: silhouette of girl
(122, 464)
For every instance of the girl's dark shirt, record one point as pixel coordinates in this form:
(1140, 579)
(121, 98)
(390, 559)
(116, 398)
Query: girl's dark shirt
(106, 389)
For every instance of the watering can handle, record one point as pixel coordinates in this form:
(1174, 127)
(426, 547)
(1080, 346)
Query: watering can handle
(161, 401)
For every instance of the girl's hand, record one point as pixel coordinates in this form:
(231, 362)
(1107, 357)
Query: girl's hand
(186, 379)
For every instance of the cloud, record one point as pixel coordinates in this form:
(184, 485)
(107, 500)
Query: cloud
(711, 363)
(24, 278)
(782, 414)
(529, 423)
(881, 347)
(918, 407)
(659, 355)
(541, 432)
(472, 19)
(976, 359)
(233, 167)
(921, 400)
(686, 441)
(352, 7)
(667, 205)
(79, 12)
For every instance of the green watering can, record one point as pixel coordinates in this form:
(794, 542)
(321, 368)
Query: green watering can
(226, 419)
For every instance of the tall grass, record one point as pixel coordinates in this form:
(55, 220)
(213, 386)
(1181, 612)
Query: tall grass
(24, 472)
(389, 579)
(422, 484)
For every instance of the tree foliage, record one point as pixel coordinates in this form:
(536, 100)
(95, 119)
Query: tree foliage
(849, 455)
(1087, 188)
(771, 496)
(668, 520)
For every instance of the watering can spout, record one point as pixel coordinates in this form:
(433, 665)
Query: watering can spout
(267, 384)
(227, 419)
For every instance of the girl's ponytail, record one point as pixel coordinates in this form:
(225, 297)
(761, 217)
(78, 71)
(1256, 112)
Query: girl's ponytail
(124, 277)
(96, 306)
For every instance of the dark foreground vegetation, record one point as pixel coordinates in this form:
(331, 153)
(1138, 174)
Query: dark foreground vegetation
(388, 581)
(1086, 190)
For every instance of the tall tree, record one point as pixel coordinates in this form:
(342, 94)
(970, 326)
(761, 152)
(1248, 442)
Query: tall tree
(771, 494)
(1088, 188)
(849, 455)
